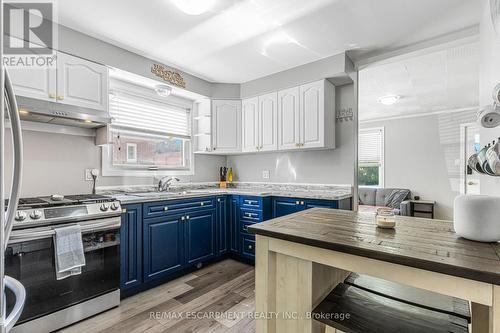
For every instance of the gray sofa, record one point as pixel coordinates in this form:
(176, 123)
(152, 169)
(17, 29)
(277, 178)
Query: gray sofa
(376, 197)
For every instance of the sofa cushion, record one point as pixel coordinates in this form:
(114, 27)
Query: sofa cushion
(367, 195)
(395, 199)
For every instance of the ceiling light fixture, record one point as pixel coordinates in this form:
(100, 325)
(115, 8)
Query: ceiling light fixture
(194, 7)
(163, 90)
(389, 99)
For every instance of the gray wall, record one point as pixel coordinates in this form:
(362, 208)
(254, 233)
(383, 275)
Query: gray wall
(333, 68)
(55, 163)
(423, 154)
(321, 166)
(489, 77)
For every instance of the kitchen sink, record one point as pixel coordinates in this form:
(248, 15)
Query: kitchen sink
(158, 194)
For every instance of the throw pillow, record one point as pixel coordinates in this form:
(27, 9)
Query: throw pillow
(396, 197)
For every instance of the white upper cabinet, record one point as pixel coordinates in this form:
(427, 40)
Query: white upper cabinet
(34, 82)
(312, 111)
(72, 81)
(268, 122)
(250, 123)
(288, 118)
(226, 125)
(81, 82)
(306, 116)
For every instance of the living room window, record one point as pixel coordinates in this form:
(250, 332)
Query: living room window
(371, 157)
(149, 133)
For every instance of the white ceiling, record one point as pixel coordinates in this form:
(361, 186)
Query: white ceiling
(438, 81)
(241, 40)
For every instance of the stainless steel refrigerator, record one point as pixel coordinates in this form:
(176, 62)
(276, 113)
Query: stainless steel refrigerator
(8, 108)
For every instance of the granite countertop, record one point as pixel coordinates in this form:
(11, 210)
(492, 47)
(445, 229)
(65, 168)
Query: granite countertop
(416, 242)
(132, 197)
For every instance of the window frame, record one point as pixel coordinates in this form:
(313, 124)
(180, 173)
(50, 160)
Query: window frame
(109, 169)
(381, 163)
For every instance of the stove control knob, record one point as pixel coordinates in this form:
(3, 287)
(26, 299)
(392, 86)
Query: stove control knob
(104, 207)
(20, 215)
(36, 214)
(114, 206)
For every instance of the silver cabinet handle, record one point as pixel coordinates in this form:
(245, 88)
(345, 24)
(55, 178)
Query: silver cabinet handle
(182, 218)
(297, 202)
(17, 139)
(187, 217)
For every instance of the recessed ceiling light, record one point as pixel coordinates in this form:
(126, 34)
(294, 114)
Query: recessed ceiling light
(194, 7)
(389, 99)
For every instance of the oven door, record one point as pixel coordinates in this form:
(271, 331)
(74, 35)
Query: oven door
(29, 258)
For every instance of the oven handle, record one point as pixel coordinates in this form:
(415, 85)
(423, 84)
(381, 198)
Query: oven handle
(25, 235)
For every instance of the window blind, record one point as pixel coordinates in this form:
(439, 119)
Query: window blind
(135, 112)
(370, 148)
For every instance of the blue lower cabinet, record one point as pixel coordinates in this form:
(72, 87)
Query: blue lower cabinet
(248, 246)
(234, 224)
(200, 236)
(163, 246)
(316, 203)
(285, 206)
(131, 247)
(222, 226)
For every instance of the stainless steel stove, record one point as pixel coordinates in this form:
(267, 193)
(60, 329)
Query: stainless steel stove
(52, 304)
(40, 211)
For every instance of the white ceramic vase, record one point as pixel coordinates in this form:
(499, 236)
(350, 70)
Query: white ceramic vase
(477, 217)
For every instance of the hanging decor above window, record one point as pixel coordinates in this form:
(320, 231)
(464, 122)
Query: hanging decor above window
(169, 76)
(495, 15)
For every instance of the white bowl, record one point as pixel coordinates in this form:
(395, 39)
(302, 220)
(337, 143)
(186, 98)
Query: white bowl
(477, 217)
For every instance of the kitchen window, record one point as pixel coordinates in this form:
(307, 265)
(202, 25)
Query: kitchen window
(371, 157)
(148, 133)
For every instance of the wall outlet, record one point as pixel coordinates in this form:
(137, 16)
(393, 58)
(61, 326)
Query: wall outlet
(266, 174)
(88, 174)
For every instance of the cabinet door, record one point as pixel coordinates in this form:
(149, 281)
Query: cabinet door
(34, 82)
(249, 124)
(163, 245)
(131, 247)
(313, 203)
(81, 83)
(285, 206)
(288, 118)
(222, 226)
(200, 236)
(234, 224)
(312, 114)
(226, 125)
(268, 122)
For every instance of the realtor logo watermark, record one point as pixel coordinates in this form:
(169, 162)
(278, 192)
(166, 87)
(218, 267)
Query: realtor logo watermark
(29, 34)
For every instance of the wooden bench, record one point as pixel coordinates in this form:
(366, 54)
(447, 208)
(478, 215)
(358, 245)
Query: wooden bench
(352, 309)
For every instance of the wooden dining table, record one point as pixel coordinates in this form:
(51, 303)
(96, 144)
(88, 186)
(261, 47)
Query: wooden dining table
(301, 257)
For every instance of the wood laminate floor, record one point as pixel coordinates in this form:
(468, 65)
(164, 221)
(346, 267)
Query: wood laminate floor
(216, 298)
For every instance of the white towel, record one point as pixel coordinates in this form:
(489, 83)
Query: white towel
(68, 247)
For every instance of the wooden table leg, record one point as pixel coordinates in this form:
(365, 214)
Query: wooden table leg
(480, 318)
(265, 286)
(494, 314)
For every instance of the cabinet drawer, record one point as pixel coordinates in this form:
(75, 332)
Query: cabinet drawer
(251, 202)
(248, 246)
(245, 225)
(422, 207)
(162, 208)
(250, 215)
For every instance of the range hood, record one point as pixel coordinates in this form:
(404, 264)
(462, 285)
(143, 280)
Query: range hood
(36, 110)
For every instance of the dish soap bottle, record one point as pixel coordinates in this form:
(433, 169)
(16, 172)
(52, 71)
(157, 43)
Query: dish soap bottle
(230, 175)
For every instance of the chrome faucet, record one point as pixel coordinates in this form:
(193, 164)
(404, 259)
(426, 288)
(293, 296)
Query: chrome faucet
(164, 183)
